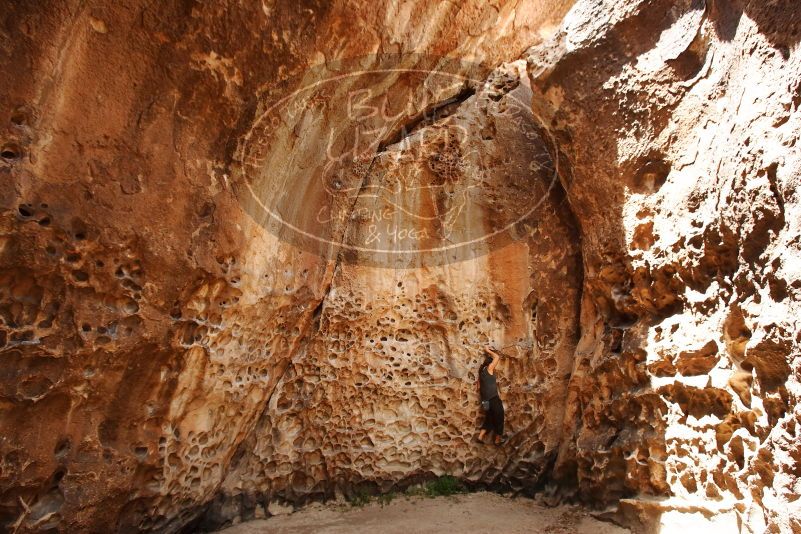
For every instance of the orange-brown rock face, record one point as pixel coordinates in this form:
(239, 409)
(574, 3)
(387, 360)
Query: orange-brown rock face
(149, 310)
(384, 392)
(251, 254)
(678, 123)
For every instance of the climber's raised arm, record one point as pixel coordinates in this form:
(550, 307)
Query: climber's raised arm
(496, 357)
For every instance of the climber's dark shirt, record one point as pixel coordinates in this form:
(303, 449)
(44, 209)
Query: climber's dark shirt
(488, 384)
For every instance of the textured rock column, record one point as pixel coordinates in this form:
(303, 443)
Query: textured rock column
(678, 123)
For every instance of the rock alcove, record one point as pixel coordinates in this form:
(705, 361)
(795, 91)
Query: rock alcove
(227, 284)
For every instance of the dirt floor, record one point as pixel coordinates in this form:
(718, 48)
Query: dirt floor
(460, 514)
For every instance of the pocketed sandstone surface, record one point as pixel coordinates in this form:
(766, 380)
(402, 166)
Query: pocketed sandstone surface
(608, 192)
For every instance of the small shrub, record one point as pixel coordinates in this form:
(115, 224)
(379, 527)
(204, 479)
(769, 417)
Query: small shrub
(444, 486)
(385, 498)
(415, 491)
(359, 498)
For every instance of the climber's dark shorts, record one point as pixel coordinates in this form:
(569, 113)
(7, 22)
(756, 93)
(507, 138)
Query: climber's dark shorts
(493, 418)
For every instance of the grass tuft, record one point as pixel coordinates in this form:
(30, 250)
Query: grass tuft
(359, 498)
(439, 487)
(385, 498)
(444, 486)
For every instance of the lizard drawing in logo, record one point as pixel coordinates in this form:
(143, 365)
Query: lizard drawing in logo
(424, 180)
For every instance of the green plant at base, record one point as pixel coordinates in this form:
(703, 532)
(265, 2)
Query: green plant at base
(385, 498)
(444, 486)
(359, 498)
(415, 491)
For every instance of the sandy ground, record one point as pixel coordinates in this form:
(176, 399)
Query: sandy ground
(462, 514)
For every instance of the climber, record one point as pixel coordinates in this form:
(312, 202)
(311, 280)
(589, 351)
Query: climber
(490, 401)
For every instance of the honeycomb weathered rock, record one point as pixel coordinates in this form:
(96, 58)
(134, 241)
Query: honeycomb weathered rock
(384, 392)
(171, 357)
(678, 122)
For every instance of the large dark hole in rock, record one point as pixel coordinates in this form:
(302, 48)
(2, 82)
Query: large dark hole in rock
(651, 176)
(10, 152)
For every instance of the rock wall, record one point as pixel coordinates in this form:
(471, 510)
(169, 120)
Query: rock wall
(384, 392)
(185, 340)
(147, 312)
(678, 122)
